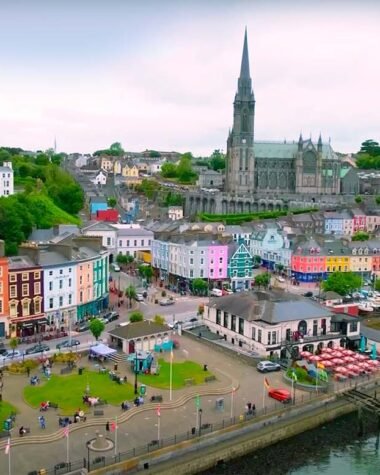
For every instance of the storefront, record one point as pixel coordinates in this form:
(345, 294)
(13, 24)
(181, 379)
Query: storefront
(93, 308)
(28, 327)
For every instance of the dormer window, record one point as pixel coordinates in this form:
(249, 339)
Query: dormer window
(354, 251)
(366, 250)
(360, 251)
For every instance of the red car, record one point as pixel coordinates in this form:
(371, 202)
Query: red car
(282, 395)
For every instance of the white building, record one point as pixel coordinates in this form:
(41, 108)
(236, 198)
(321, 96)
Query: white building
(106, 231)
(175, 212)
(284, 324)
(6, 179)
(100, 178)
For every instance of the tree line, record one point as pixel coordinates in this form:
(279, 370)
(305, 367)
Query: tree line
(369, 155)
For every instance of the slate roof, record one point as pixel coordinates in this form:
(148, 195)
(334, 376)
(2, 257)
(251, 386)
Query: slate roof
(270, 306)
(139, 329)
(287, 150)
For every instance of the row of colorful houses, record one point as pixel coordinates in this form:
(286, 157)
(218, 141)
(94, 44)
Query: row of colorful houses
(52, 286)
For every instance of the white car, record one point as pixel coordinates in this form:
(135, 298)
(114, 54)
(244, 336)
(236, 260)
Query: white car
(10, 355)
(139, 297)
(267, 366)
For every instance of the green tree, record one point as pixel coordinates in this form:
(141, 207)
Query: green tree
(358, 199)
(370, 147)
(360, 236)
(377, 199)
(185, 172)
(13, 343)
(146, 272)
(262, 280)
(130, 293)
(121, 259)
(169, 170)
(96, 327)
(199, 286)
(257, 259)
(111, 202)
(154, 154)
(218, 160)
(136, 317)
(342, 283)
(377, 285)
(159, 319)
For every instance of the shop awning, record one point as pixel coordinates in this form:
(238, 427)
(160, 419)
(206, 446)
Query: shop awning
(102, 350)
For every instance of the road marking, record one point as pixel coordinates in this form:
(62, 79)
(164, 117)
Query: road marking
(147, 418)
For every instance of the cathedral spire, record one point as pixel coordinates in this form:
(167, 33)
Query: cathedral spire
(244, 69)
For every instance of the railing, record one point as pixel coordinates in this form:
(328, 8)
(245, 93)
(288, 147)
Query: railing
(311, 338)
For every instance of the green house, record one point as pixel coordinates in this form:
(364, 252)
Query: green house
(240, 266)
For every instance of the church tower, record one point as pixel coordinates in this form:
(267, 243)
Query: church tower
(240, 164)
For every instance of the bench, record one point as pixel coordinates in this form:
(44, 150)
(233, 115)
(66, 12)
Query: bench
(208, 379)
(98, 412)
(189, 382)
(205, 426)
(156, 398)
(66, 370)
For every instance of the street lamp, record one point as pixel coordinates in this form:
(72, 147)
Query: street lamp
(200, 420)
(136, 391)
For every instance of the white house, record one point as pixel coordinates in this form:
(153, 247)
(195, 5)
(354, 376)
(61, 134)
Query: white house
(175, 212)
(6, 179)
(279, 323)
(132, 238)
(100, 178)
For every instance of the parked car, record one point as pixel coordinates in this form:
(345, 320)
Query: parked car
(282, 395)
(10, 355)
(115, 267)
(216, 292)
(165, 302)
(83, 327)
(267, 366)
(37, 349)
(68, 344)
(139, 297)
(3, 351)
(111, 316)
(193, 320)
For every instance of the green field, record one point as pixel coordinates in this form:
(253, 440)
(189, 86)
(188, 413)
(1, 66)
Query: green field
(5, 410)
(181, 371)
(67, 391)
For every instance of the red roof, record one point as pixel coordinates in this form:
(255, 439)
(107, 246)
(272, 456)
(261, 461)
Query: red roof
(110, 215)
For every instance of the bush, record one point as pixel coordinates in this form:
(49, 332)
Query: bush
(163, 293)
(65, 357)
(136, 317)
(22, 366)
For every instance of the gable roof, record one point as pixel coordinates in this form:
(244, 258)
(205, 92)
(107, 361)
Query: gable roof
(139, 329)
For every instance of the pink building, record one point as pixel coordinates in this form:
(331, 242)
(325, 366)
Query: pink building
(84, 282)
(360, 220)
(217, 262)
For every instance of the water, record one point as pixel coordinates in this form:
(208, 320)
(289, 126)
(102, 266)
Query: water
(333, 449)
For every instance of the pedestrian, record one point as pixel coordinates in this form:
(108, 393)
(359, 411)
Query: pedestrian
(28, 371)
(42, 422)
(107, 426)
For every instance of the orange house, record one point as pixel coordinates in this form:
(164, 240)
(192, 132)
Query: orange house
(4, 298)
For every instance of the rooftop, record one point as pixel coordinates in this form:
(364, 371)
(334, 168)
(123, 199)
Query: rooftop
(139, 329)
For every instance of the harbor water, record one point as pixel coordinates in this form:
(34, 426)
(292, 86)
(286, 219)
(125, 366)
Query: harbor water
(332, 449)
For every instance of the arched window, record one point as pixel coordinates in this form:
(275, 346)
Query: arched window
(309, 162)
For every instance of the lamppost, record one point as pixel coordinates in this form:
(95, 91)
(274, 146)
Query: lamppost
(136, 361)
(200, 420)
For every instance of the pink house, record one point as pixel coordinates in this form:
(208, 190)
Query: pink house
(217, 262)
(360, 220)
(84, 282)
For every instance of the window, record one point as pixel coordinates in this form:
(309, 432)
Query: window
(25, 308)
(108, 241)
(1, 287)
(191, 273)
(51, 303)
(259, 334)
(201, 273)
(1, 305)
(60, 301)
(120, 243)
(61, 271)
(24, 276)
(269, 338)
(142, 242)
(191, 261)
(12, 278)
(274, 338)
(202, 260)
(50, 272)
(233, 323)
(253, 333)
(13, 309)
(225, 319)
(1, 270)
(69, 270)
(81, 296)
(80, 280)
(25, 290)
(69, 282)
(241, 326)
(220, 260)
(127, 242)
(135, 242)
(60, 283)
(37, 288)
(36, 275)
(70, 299)
(354, 326)
(37, 306)
(218, 317)
(12, 291)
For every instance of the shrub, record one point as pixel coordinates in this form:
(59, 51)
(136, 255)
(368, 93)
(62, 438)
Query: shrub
(21, 366)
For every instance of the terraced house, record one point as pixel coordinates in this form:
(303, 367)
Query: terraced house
(240, 266)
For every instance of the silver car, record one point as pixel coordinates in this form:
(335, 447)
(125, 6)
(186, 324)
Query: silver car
(267, 366)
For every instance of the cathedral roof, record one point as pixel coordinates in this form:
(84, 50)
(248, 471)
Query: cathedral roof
(287, 150)
(244, 69)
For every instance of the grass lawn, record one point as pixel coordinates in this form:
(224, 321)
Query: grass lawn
(374, 323)
(5, 410)
(181, 371)
(67, 391)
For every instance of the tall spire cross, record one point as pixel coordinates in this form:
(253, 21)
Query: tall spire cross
(244, 70)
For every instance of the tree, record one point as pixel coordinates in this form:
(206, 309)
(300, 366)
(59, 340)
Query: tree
(154, 154)
(377, 199)
(257, 259)
(96, 327)
(360, 236)
(13, 343)
(279, 267)
(218, 160)
(377, 285)
(159, 319)
(169, 170)
(121, 259)
(343, 283)
(146, 272)
(130, 293)
(262, 280)
(136, 317)
(370, 147)
(185, 172)
(111, 201)
(358, 199)
(199, 286)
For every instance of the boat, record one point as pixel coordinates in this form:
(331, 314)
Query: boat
(365, 309)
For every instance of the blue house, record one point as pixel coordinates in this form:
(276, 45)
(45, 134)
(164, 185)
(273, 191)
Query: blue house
(98, 203)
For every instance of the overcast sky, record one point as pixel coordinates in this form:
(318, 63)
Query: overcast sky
(162, 74)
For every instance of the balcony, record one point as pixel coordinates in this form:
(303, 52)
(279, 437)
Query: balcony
(313, 338)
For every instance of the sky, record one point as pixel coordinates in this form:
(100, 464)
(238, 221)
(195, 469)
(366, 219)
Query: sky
(162, 74)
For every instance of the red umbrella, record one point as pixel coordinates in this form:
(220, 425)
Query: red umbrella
(349, 359)
(363, 357)
(337, 361)
(328, 350)
(326, 356)
(348, 352)
(327, 364)
(305, 354)
(315, 358)
(340, 369)
(354, 367)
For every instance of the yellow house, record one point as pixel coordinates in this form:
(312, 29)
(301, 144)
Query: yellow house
(117, 167)
(361, 259)
(337, 263)
(107, 164)
(130, 170)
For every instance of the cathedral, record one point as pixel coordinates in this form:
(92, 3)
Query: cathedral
(274, 167)
(264, 175)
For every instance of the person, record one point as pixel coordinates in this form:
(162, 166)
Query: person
(22, 431)
(137, 401)
(107, 426)
(125, 379)
(42, 422)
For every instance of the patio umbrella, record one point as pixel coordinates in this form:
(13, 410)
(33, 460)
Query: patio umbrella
(337, 354)
(328, 350)
(348, 352)
(349, 359)
(338, 361)
(353, 367)
(362, 344)
(305, 354)
(340, 369)
(315, 358)
(373, 352)
(363, 357)
(326, 356)
(327, 364)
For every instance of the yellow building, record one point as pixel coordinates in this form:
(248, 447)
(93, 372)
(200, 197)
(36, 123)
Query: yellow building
(130, 170)
(338, 263)
(106, 163)
(361, 260)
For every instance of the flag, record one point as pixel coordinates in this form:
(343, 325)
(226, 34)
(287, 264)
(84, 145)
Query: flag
(113, 426)
(320, 365)
(158, 411)
(66, 431)
(266, 383)
(8, 446)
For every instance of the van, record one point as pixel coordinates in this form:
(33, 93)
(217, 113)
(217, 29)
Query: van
(216, 292)
(115, 268)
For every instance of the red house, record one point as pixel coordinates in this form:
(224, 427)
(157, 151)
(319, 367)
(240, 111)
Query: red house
(110, 215)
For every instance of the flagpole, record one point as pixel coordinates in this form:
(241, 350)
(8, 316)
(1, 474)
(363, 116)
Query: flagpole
(171, 375)
(158, 427)
(67, 448)
(232, 403)
(264, 396)
(115, 435)
(9, 456)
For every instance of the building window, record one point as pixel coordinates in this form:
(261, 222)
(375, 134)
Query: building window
(201, 273)
(25, 308)
(61, 284)
(61, 271)
(354, 326)
(120, 243)
(259, 334)
(202, 261)
(12, 278)
(191, 273)
(218, 317)
(127, 242)
(191, 261)
(142, 242)
(37, 275)
(37, 288)
(25, 290)
(233, 323)
(135, 242)
(69, 270)
(225, 320)
(253, 333)
(241, 326)
(70, 299)
(50, 272)
(13, 291)
(81, 296)
(274, 338)
(269, 338)
(69, 282)
(13, 309)
(108, 241)
(37, 306)
(1, 305)
(24, 276)
(220, 260)
(51, 303)
(60, 301)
